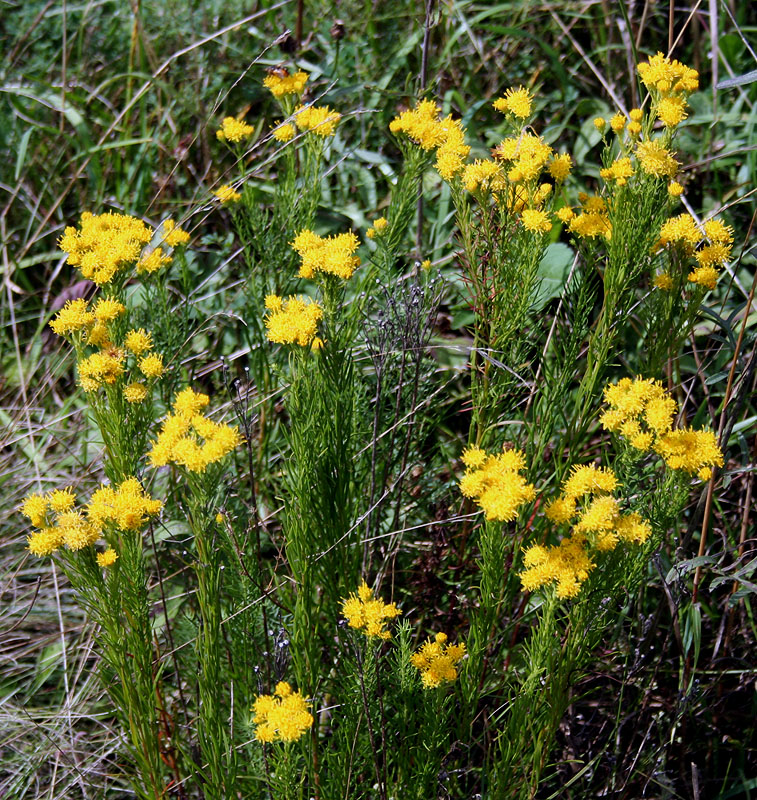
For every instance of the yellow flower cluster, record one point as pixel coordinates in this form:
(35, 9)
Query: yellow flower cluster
(227, 194)
(152, 260)
(587, 504)
(525, 157)
(514, 175)
(517, 102)
(138, 341)
(234, 130)
(592, 221)
(494, 482)
(75, 317)
(655, 159)
(619, 171)
(104, 367)
(643, 412)
(695, 452)
(367, 613)
(109, 362)
(283, 132)
(668, 76)
(711, 247)
(334, 255)
(172, 235)
(640, 410)
(437, 661)
(483, 175)
(282, 716)
(669, 82)
(425, 126)
(126, 508)
(280, 82)
(567, 565)
(320, 120)
(422, 125)
(292, 320)
(104, 244)
(189, 439)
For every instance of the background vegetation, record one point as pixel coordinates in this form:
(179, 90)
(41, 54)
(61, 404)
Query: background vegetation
(115, 105)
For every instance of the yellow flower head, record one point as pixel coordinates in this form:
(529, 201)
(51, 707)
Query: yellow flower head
(99, 336)
(35, 508)
(536, 221)
(618, 122)
(188, 402)
(619, 171)
(282, 716)
(227, 194)
(102, 368)
(452, 152)
(152, 366)
(663, 281)
(295, 321)
(517, 102)
(437, 661)
(153, 260)
(680, 229)
(495, 483)
(334, 255)
(689, 450)
(127, 506)
(61, 500)
(482, 175)
(667, 77)
(656, 160)
(422, 125)
(107, 309)
(588, 479)
(591, 223)
(560, 166)
(284, 132)
(567, 566)
(72, 318)
(561, 510)
(280, 82)
(71, 529)
(706, 277)
(320, 120)
(107, 558)
(172, 234)
(234, 130)
(135, 393)
(45, 542)
(369, 614)
(671, 111)
(718, 232)
(138, 341)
